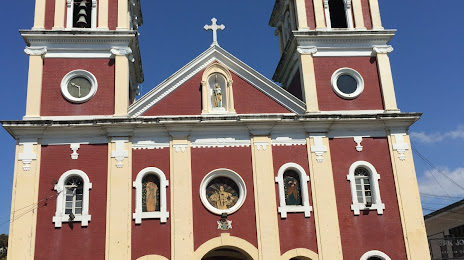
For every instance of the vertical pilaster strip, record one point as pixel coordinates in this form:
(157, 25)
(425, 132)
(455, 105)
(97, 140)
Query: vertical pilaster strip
(319, 14)
(34, 82)
(181, 199)
(103, 14)
(230, 97)
(265, 203)
(60, 6)
(24, 203)
(386, 78)
(300, 7)
(204, 97)
(121, 88)
(375, 15)
(407, 191)
(324, 199)
(308, 84)
(358, 15)
(39, 15)
(123, 15)
(119, 194)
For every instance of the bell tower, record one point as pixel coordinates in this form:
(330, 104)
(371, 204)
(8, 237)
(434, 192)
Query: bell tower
(84, 58)
(334, 54)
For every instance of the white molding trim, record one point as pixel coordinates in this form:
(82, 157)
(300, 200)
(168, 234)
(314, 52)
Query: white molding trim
(123, 51)
(383, 49)
(60, 215)
(304, 179)
(163, 214)
(180, 147)
(358, 140)
(74, 148)
(70, 13)
(36, 51)
(375, 253)
(400, 146)
(307, 50)
(75, 73)
(221, 142)
(353, 73)
(28, 155)
(120, 153)
(261, 145)
(374, 177)
(228, 174)
(318, 148)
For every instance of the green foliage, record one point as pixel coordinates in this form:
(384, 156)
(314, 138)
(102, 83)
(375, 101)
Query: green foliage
(4, 245)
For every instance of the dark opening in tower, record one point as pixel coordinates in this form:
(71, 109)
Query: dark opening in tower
(337, 14)
(82, 16)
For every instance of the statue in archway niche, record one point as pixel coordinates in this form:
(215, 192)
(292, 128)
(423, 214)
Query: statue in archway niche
(222, 193)
(217, 94)
(292, 188)
(150, 194)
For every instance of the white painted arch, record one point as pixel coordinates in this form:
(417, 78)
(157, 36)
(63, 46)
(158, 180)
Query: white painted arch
(227, 241)
(375, 253)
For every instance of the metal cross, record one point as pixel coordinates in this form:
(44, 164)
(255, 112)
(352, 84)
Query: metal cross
(214, 27)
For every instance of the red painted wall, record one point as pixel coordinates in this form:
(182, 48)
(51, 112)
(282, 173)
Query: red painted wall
(370, 99)
(295, 86)
(238, 159)
(369, 231)
(295, 231)
(49, 14)
(367, 14)
(310, 14)
(72, 241)
(54, 104)
(112, 14)
(186, 100)
(152, 236)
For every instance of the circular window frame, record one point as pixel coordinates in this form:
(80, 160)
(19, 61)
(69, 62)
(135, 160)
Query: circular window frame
(228, 174)
(353, 73)
(78, 73)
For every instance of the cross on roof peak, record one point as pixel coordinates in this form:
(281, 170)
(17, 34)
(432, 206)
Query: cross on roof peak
(214, 27)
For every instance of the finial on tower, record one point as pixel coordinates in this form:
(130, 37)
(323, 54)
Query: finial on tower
(214, 27)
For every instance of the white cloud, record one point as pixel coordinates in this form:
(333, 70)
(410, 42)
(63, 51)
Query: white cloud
(428, 185)
(429, 138)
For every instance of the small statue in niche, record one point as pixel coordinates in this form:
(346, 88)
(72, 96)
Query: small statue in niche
(217, 94)
(292, 188)
(150, 194)
(152, 190)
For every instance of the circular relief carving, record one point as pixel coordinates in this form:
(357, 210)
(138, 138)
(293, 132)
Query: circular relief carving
(347, 83)
(78, 86)
(222, 191)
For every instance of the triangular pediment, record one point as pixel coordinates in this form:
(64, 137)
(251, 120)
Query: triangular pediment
(236, 66)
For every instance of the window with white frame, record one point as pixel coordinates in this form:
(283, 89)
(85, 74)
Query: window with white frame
(364, 184)
(293, 190)
(375, 255)
(81, 14)
(72, 203)
(338, 14)
(150, 195)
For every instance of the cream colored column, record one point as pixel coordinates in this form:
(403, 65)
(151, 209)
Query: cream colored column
(119, 199)
(324, 199)
(24, 203)
(39, 15)
(265, 203)
(358, 15)
(308, 75)
(123, 15)
(34, 82)
(204, 97)
(407, 191)
(386, 78)
(230, 97)
(60, 6)
(103, 14)
(319, 13)
(300, 7)
(121, 88)
(181, 198)
(375, 15)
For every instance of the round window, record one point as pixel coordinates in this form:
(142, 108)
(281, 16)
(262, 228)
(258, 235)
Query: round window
(347, 83)
(222, 191)
(79, 86)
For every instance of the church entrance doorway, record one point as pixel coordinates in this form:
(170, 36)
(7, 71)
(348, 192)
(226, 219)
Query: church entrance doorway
(226, 254)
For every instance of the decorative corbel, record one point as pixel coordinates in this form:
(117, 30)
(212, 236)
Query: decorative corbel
(261, 146)
(385, 49)
(36, 51)
(318, 148)
(28, 155)
(74, 148)
(120, 153)
(123, 51)
(307, 50)
(358, 140)
(400, 146)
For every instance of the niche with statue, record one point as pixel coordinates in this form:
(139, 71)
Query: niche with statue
(217, 94)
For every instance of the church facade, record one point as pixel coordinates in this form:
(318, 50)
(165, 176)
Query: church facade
(216, 162)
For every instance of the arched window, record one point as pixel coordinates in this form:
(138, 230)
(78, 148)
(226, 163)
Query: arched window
(293, 190)
(81, 14)
(375, 255)
(338, 14)
(364, 183)
(217, 93)
(150, 199)
(72, 203)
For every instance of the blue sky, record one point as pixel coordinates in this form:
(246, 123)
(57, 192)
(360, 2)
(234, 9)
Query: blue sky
(427, 67)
